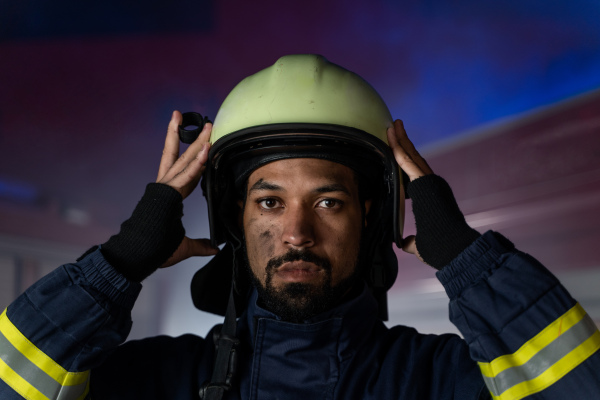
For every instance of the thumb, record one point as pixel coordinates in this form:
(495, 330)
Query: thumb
(201, 247)
(409, 245)
(191, 248)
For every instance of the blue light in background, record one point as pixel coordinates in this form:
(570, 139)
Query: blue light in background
(18, 192)
(469, 63)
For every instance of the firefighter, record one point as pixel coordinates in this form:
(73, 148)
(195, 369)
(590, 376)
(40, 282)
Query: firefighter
(303, 185)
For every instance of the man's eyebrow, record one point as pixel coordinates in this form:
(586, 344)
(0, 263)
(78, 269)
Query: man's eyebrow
(334, 187)
(262, 185)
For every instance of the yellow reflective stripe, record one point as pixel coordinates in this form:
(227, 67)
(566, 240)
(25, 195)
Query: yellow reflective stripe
(555, 372)
(24, 388)
(18, 384)
(538, 342)
(543, 360)
(37, 357)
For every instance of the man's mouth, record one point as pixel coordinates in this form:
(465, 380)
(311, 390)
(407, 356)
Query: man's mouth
(298, 271)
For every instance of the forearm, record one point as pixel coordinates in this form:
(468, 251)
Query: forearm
(63, 326)
(527, 333)
(522, 326)
(150, 236)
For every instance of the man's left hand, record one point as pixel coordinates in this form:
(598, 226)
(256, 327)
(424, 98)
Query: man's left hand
(411, 162)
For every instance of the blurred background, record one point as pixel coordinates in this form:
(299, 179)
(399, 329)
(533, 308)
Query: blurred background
(502, 98)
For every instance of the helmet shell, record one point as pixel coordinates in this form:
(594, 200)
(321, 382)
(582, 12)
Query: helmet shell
(303, 88)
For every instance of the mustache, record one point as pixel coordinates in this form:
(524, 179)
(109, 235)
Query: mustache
(298, 255)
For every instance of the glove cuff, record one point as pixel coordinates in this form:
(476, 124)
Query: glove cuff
(442, 232)
(150, 236)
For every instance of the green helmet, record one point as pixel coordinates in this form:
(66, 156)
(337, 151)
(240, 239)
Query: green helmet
(303, 106)
(302, 89)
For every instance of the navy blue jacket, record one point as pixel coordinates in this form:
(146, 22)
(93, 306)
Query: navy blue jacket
(524, 337)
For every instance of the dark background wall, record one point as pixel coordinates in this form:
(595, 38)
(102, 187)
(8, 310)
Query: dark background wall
(86, 91)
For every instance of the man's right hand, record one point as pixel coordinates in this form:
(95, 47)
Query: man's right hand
(183, 173)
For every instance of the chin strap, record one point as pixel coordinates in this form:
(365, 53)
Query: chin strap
(226, 358)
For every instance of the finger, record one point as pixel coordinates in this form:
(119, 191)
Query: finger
(409, 147)
(202, 248)
(409, 245)
(171, 149)
(205, 134)
(190, 248)
(186, 180)
(403, 159)
(192, 173)
(190, 155)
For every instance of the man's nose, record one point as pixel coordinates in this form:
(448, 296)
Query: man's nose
(298, 227)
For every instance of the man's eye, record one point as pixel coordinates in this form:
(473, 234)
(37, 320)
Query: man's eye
(329, 203)
(268, 203)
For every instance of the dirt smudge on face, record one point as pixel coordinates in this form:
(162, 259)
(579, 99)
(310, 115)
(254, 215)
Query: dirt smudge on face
(266, 241)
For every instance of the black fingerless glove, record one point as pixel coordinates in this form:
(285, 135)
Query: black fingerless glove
(150, 236)
(442, 232)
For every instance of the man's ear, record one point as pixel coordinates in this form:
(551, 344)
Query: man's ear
(367, 209)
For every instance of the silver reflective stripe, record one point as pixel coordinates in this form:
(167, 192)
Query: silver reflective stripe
(35, 376)
(544, 359)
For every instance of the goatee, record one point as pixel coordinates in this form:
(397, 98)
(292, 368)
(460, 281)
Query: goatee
(297, 302)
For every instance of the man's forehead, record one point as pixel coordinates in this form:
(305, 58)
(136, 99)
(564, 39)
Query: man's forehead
(283, 173)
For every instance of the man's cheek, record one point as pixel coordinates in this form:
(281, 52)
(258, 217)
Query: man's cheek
(260, 246)
(266, 242)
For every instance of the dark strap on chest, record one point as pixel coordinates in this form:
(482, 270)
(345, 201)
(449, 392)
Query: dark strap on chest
(225, 366)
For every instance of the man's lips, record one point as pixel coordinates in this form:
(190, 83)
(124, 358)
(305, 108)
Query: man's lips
(299, 265)
(298, 271)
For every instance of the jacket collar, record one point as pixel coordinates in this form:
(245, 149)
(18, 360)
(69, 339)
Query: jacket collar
(358, 315)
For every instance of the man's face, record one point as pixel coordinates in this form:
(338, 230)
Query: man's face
(302, 223)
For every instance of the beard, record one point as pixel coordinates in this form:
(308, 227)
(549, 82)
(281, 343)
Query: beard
(297, 302)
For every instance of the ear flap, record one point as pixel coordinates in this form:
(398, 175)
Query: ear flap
(212, 283)
(382, 275)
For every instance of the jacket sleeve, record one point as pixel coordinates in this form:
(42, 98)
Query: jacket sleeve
(530, 338)
(63, 326)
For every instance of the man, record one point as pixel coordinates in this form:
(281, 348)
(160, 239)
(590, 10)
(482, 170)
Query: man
(307, 196)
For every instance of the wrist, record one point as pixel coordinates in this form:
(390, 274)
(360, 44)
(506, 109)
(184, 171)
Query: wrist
(442, 232)
(150, 236)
